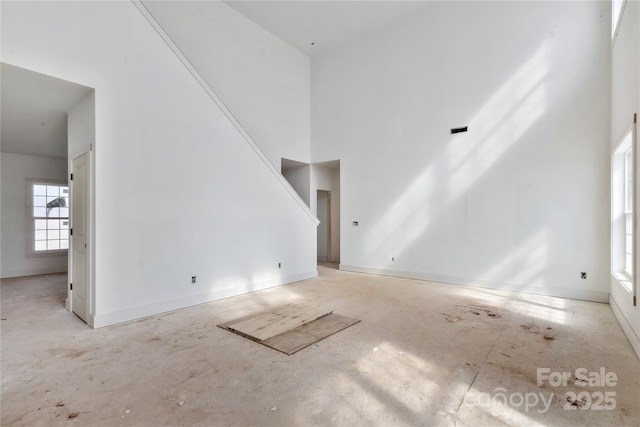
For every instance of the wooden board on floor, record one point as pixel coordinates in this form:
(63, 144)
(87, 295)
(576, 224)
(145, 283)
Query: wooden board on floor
(303, 336)
(277, 321)
(310, 333)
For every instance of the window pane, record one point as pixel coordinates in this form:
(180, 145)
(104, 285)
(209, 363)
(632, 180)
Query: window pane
(64, 244)
(40, 212)
(64, 212)
(41, 245)
(53, 224)
(53, 213)
(53, 190)
(41, 224)
(39, 201)
(64, 224)
(53, 244)
(39, 190)
(53, 234)
(64, 191)
(41, 234)
(64, 234)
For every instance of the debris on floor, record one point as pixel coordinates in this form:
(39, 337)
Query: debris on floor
(476, 310)
(531, 328)
(578, 403)
(452, 319)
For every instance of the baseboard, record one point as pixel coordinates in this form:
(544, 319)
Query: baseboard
(594, 296)
(135, 313)
(32, 272)
(631, 334)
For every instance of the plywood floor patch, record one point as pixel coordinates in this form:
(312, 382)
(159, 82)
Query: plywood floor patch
(299, 337)
(277, 321)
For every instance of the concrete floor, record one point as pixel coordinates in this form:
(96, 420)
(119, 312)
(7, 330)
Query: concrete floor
(425, 354)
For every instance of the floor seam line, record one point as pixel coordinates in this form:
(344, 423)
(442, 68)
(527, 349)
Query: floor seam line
(455, 415)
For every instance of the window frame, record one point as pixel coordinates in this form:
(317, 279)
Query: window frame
(30, 221)
(622, 182)
(629, 210)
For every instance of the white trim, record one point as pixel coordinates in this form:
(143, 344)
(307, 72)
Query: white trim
(634, 146)
(214, 97)
(624, 280)
(594, 296)
(135, 313)
(33, 271)
(631, 334)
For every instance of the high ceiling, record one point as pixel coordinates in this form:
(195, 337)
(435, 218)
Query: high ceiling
(314, 26)
(34, 112)
(34, 106)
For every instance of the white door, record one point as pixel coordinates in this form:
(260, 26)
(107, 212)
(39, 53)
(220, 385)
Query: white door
(79, 225)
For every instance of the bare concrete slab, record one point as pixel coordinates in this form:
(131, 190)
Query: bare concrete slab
(410, 366)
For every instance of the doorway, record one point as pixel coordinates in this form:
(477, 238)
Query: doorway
(325, 204)
(324, 228)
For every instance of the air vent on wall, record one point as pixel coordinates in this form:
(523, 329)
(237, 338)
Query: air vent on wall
(458, 130)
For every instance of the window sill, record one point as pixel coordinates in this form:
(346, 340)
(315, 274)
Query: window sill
(624, 280)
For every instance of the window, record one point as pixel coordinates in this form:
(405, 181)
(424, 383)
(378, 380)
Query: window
(623, 207)
(49, 217)
(628, 212)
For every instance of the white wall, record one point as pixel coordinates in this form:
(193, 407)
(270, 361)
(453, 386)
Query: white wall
(519, 202)
(263, 81)
(625, 101)
(16, 168)
(178, 191)
(81, 125)
(299, 178)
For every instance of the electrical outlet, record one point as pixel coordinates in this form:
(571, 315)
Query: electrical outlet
(355, 223)
(583, 275)
(193, 279)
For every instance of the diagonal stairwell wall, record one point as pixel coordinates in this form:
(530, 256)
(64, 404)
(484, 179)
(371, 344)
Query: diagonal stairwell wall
(178, 192)
(209, 43)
